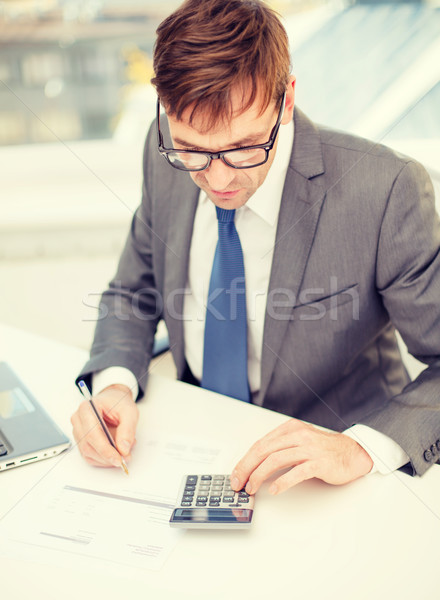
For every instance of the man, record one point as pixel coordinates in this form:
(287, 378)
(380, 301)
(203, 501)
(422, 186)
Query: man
(336, 239)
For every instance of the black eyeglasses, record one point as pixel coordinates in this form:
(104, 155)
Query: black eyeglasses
(238, 158)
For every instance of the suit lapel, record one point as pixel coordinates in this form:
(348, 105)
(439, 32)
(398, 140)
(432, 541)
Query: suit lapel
(183, 205)
(299, 214)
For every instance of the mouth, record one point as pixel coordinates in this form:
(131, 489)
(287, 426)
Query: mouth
(225, 195)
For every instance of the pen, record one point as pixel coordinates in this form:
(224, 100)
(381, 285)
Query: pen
(88, 396)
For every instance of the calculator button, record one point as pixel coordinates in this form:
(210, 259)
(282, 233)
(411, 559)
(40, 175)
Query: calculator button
(187, 497)
(190, 488)
(214, 503)
(217, 488)
(215, 499)
(219, 477)
(243, 500)
(200, 503)
(202, 498)
(228, 498)
(206, 477)
(243, 495)
(186, 503)
(191, 479)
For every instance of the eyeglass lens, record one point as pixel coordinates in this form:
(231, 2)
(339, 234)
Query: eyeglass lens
(240, 158)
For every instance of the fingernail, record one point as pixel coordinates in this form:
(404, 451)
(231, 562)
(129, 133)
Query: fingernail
(116, 462)
(125, 446)
(249, 488)
(234, 483)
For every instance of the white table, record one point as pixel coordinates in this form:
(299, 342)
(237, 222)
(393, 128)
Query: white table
(375, 538)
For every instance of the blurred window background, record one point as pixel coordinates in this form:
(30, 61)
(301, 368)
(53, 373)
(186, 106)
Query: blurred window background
(76, 103)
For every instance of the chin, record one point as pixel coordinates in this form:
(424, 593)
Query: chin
(228, 203)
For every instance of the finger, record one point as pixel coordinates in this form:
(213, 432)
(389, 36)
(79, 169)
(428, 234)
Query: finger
(298, 474)
(126, 430)
(87, 451)
(91, 431)
(273, 463)
(92, 457)
(77, 432)
(110, 416)
(259, 452)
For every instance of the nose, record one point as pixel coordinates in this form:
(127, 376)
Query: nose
(219, 175)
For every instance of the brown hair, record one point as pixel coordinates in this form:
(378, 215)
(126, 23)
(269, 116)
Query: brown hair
(207, 48)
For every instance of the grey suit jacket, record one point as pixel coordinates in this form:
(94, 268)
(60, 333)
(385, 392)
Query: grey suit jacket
(356, 256)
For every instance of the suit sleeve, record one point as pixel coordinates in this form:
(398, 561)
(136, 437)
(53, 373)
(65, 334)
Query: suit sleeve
(131, 307)
(408, 278)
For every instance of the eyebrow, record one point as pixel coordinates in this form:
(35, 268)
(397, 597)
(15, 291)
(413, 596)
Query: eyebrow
(248, 141)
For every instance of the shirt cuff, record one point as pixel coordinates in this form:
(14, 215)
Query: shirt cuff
(112, 376)
(386, 454)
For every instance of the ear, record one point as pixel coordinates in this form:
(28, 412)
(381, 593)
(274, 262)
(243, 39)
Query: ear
(290, 100)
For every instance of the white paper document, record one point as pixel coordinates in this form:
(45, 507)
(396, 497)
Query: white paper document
(104, 515)
(122, 528)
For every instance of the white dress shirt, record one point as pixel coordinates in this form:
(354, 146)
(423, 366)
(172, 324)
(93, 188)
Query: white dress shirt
(256, 224)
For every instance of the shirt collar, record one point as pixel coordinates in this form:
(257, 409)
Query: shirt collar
(267, 199)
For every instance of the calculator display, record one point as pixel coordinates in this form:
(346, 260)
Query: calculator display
(207, 515)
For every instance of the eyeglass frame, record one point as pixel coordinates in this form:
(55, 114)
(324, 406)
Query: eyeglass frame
(220, 155)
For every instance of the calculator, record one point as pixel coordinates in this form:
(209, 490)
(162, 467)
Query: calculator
(209, 502)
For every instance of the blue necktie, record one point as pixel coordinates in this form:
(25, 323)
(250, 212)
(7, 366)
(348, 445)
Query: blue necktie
(225, 346)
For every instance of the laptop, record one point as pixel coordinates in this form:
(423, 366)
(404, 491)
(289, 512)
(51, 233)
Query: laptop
(27, 433)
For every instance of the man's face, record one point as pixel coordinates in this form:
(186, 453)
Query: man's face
(228, 187)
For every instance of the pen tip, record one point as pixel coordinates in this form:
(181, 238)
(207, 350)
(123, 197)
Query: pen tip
(124, 466)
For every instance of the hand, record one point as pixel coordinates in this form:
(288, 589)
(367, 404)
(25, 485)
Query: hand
(307, 452)
(120, 414)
